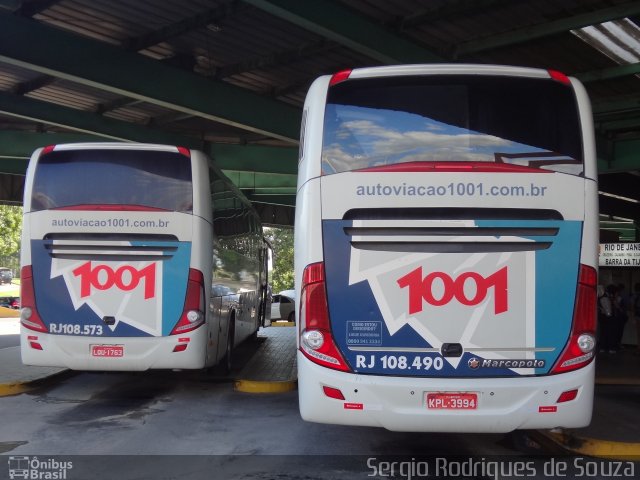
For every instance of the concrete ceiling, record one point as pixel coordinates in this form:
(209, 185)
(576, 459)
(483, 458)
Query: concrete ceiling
(229, 76)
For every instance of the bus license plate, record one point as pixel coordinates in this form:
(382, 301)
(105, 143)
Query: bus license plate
(452, 401)
(107, 350)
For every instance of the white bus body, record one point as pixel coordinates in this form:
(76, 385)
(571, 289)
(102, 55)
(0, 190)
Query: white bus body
(136, 257)
(446, 249)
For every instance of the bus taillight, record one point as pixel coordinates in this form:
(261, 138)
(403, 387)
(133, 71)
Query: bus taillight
(48, 149)
(193, 313)
(339, 77)
(582, 340)
(29, 316)
(316, 339)
(559, 77)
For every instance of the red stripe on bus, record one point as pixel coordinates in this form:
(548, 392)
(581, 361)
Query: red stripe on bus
(113, 208)
(453, 167)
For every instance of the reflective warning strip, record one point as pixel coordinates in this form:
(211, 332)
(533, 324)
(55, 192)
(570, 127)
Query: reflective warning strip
(253, 386)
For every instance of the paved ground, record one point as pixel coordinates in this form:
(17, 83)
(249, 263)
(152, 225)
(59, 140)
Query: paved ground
(270, 368)
(275, 359)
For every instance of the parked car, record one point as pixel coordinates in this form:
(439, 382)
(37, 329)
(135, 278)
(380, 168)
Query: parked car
(10, 302)
(6, 275)
(283, 306)
(219, 290)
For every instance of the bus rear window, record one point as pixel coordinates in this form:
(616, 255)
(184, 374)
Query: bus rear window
(451, 118)
(110, 177)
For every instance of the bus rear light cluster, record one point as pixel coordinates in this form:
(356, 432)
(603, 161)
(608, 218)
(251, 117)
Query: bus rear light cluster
(559, 77)
(182, 345)
(332, 392)
(29, 316)
(193, 313)
(33, 342)
(48, 149)
(184, 151)
(579, 351)
(339, 77)
(316, 339)
(313, 339)
(567, 396)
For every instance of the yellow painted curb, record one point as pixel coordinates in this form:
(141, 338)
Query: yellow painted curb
(10, 389)
(283, 324)
(9, 312)
(596, 448)
(16, 388)
(254, 386)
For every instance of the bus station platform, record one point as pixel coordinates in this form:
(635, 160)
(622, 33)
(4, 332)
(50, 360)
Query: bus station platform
(270, 367)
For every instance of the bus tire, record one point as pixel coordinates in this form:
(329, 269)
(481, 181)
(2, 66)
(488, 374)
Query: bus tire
(292, 317)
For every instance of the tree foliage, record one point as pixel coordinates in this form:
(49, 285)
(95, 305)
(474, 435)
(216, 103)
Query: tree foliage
(10, 229)
(282, 274)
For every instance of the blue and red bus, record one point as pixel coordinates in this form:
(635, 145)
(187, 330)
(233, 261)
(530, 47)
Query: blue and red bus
(136, 257)
(446, 249)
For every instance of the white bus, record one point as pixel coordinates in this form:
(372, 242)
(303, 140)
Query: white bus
(136, 257)
(446, 249)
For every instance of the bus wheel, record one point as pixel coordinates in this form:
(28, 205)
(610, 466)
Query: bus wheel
(292, 317)
(227, 361)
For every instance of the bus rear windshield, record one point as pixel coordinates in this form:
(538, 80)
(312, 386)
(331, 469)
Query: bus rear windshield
(372, 123)
(127, 178)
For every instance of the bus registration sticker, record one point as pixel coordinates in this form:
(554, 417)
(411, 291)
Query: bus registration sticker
(107, 350)
(452, 401)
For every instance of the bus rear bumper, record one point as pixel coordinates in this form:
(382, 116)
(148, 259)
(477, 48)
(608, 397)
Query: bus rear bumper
(400, 403)
(184, 351)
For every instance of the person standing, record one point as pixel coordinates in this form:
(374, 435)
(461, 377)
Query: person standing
(636, 314)
(605, 318)
(620, 314)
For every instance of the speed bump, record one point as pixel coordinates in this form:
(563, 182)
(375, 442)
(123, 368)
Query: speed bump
(255, 386)
(9, 312)
(595, 448)
(9, 389)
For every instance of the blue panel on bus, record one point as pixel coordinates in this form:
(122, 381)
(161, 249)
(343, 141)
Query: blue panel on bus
(133, 289)
(458, 306)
